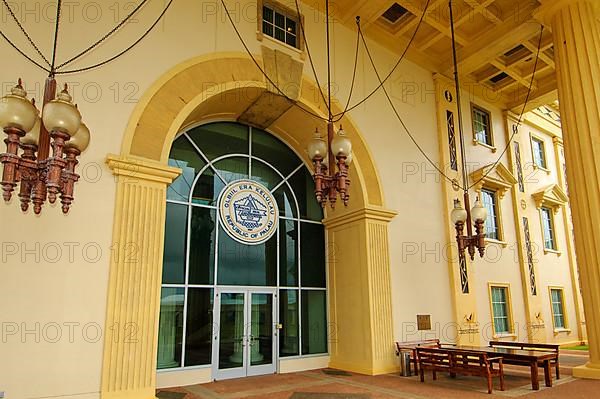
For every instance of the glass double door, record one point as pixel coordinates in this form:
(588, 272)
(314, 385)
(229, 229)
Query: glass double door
(245, 333)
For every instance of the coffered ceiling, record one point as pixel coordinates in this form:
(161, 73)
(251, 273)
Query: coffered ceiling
(497, 42)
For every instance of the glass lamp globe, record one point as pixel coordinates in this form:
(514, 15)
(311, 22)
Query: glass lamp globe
(458, 214)
(61, 115)
(81, 139)
(16, 111)
(32, 137)
(478, 212)
(349, 158)
(317, 148)
(341, 144)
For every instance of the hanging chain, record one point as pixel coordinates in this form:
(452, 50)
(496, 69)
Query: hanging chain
(14, 17)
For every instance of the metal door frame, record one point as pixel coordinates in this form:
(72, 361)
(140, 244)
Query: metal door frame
(246, 369)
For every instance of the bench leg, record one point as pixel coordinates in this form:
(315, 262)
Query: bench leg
(557, 369)
(548, 373)
(422, 373)
(501, 377)
(535, 383)
(434, 375)
(489, 381)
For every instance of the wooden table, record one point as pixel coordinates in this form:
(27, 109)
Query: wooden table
(530, 358)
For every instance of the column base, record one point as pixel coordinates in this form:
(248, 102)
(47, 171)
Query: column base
(588, 370)
(145, 393)
(366, 369)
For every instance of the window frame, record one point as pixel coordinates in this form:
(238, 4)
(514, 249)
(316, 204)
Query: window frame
(491, 145)
(535, 138)
(498, 214)
(550, 211)
(509, 310)
(565, 317)
(286, 12)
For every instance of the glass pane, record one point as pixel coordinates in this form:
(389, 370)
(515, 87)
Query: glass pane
(202, 246)
(175, 244)
(170, 328)
(304, 187)
(280, 34)
(285, 201)
(288, 253)
(279, 20)
(265, 175)
(272, 150)
(555, 295)
(241, 264)
(183, 155)
(217, 139)
(232, 169)
(199, 329)
(288, 317)
(267, 29)
(312, 247)
(231, 331)
(501, 325)
(268, 14)
(314, 322)
(261, 329)
(207, 188)
(290, 26)
(290, 39)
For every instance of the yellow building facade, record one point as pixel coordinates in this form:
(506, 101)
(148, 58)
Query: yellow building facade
(89, 307)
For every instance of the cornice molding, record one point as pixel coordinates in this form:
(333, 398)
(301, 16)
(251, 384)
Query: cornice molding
(367, 213)
(496, 176)
(143, 169)
(552, 196)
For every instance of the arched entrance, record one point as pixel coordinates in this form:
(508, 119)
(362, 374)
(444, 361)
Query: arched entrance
(240, 300)
(225, 87)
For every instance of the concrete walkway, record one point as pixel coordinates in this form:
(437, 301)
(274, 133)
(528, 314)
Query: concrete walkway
(331, 384)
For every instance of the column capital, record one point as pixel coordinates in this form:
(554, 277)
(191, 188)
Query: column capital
(143, 169)
(549, 8)
(366, 213)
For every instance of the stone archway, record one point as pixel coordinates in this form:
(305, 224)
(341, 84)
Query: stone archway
(229, 87)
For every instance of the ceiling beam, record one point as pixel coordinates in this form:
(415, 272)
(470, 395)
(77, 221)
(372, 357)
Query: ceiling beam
(431, 20)
(514, 30)
(546, 93)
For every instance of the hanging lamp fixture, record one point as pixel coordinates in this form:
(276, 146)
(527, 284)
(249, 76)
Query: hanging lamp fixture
(460, 215)
(27, 162)
(335, 152)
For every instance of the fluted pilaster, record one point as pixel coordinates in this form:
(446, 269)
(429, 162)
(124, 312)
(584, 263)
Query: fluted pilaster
(577, 52)
(130, 345)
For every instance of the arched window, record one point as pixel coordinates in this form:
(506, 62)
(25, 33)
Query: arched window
(201, 259)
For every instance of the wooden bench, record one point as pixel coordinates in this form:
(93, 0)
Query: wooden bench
(460, 362)
(532, 347)
(411, 347)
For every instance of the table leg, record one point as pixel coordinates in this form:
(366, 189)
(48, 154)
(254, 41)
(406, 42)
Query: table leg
(535, 383)
(547, 373)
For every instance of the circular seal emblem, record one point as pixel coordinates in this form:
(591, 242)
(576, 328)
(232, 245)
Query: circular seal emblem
(248, 212)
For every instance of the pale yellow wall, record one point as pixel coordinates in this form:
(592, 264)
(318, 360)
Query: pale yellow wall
(74, 290)
(553, 268)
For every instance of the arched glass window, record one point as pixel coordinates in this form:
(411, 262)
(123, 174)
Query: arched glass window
(199, 256)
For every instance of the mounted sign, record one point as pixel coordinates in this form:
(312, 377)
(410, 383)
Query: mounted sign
(248, 212)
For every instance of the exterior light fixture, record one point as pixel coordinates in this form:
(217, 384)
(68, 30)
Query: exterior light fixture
(476, 216)
(335, 152)
(40, 175)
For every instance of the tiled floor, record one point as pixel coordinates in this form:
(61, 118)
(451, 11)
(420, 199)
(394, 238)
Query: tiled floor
(317, 384)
